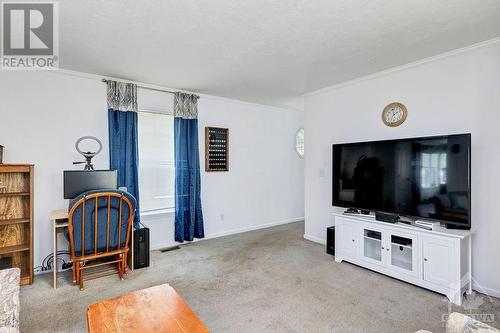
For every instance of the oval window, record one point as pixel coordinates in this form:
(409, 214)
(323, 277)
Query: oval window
(299, 142)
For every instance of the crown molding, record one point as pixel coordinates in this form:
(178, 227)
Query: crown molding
(98, 77)
(238, 101)
(405, 67)
(93, 76)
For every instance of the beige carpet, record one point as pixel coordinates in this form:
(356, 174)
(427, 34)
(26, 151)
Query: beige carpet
(270, 280)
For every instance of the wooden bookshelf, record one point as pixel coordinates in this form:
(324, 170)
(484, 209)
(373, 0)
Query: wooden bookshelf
(16, 219)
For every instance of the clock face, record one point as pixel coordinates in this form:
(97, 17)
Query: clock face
(394, 114)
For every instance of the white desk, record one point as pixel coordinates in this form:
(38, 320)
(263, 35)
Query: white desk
(59, 220)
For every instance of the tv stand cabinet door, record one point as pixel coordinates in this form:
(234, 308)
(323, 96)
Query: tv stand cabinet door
(402, 252)
(346, 240)
(372, 249)
(438, 261)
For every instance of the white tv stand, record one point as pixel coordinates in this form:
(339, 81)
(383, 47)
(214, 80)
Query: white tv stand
(438, 260)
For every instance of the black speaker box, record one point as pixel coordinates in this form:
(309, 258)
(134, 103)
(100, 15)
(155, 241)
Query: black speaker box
(330, 240)
(141, 247)
(389, 218)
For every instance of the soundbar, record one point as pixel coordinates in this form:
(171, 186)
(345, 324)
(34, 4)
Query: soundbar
(389, 218)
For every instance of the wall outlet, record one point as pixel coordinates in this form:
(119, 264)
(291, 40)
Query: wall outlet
(321, 173)
(222, 217)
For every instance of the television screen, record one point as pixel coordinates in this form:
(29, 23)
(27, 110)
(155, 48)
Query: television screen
(77, 182)
(419, 177)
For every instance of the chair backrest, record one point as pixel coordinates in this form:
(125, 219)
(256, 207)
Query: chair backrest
(100, 222)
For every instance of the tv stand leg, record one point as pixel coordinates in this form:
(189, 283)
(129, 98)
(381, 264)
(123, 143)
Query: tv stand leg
(455, 298)
(469, 274)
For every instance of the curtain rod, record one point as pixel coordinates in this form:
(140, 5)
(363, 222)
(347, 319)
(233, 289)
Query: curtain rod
(148, 88)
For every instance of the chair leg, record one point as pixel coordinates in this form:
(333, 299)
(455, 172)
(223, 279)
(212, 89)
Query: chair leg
(80, 277)
(73, 271)
(76, 268)
(120, 267)
(124, 263)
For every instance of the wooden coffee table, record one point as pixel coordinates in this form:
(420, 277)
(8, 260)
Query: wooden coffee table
(156, 309)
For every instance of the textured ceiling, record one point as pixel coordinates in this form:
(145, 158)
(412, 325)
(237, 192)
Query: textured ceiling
(263, 51)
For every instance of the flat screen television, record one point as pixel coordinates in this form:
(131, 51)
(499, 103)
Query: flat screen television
(428, 177)
(78, 181)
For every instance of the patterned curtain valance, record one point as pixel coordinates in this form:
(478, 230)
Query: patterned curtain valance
(122, 96)
(185, 106)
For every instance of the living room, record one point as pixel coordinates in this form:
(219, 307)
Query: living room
(213, 139)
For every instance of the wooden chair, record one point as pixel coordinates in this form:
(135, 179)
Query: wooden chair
(99, 227)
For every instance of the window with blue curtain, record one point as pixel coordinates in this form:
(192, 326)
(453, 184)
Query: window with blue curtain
(123, 146)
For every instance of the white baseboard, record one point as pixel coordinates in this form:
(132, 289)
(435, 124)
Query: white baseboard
(315, 239)
(233, 232)
(251, 228)
(484, 290)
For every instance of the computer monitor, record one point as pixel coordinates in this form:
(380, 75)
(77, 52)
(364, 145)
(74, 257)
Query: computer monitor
(76, 181)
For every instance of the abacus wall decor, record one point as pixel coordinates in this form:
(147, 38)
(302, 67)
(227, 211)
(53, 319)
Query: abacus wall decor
(216, 149)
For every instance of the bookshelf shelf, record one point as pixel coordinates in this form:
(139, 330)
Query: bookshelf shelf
(14, 248)
(14, 221)
(14, 194)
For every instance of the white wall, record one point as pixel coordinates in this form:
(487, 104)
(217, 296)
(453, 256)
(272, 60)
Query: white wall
(453, 94)
(265, 182)
(42, 115)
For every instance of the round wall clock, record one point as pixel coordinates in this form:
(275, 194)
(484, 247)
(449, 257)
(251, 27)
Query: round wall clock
(394, 114)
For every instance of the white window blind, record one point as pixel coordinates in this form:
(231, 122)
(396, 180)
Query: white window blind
(156, 161)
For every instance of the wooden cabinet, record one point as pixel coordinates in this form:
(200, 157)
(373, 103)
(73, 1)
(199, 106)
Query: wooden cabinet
(16, 219)
(438, 260)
